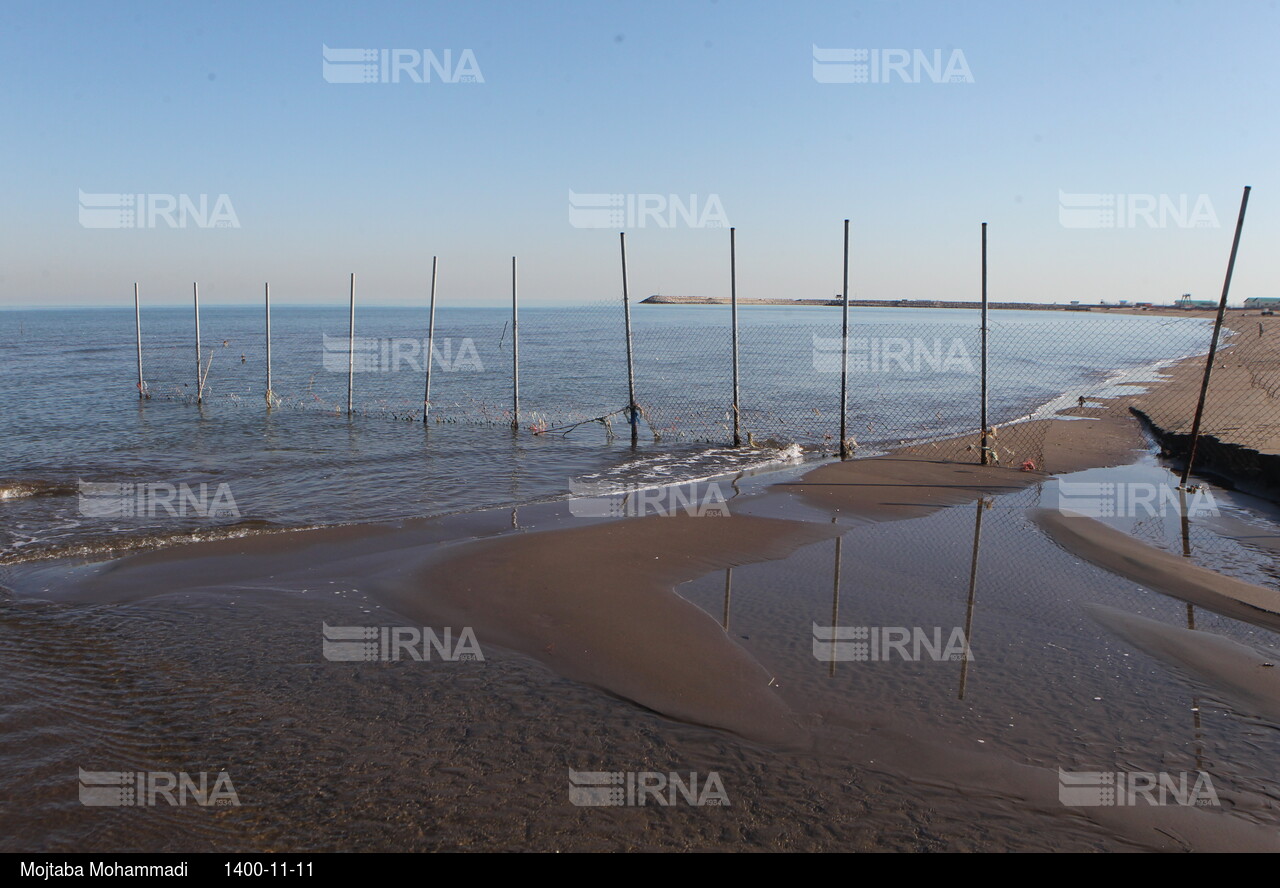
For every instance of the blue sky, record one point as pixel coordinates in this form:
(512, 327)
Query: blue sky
(659, 98)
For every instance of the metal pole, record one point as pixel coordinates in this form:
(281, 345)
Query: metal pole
(431, 339)
(267, 308)
(195, 289)
(844, 353)
(137, 323)
(733, 301)
(984, 343)
(351, 347)
(1213, 344)
(632, 410)
(515, 351)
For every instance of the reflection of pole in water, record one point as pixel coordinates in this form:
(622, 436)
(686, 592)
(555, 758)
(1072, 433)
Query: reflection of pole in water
(835, 605)
(1186, 525)
(728, 589)
(973, 588)
(1191, 623)
(1195, 701)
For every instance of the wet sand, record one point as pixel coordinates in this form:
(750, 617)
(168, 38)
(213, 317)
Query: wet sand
(1163, 571)
(608, 648)
(918, 480)
(459, 755)
(1241, 673)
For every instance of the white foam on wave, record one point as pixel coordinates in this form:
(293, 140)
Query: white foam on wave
(669, 469)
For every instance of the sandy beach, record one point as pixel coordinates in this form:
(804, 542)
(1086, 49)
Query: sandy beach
(674, 428)
(1241, 425)
(690, 643)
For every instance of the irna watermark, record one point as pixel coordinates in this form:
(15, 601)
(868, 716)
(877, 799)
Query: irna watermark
(146, 789)
(1085, 210)
(596, 499)
(893, 354)
(393, 354)
(390, 644)
(646, 210)
(1133, 499)
(875, 644)
(890, 66)
(399, 66)
(591, 789)
(119, 210)
(1086, 789)
(154, 499)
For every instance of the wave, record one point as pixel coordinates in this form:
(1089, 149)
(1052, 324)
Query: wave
(113, 545)
(29, 487)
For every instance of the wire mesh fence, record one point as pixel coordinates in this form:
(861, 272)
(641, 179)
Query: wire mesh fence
(912, 374)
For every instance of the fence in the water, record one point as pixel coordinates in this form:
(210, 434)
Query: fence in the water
(729, 374)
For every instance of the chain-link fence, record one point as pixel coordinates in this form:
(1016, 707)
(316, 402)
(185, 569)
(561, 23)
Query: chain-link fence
(571, 364)
(913, 374)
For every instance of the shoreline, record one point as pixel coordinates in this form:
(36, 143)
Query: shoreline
(1163, 411)
(1233, 311)
(615, 622)
(1240, 432)
(607, 613)
(1022, 439)
(611, 605)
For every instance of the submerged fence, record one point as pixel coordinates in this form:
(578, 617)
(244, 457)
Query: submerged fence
(830, 378)
(907, 379)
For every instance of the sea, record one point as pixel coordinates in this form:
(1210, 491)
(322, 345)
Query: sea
(76, 435)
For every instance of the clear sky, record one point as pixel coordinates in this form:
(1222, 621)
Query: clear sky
(720, 100)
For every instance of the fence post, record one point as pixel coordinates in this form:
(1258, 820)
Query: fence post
(983, 408)
(515, 351)
(733, 302)
(845, 452)
(137, 324)
(195, 290)
(1213, 343)
(632, 411)
(431, 339)
(267, 308)
(351, 347)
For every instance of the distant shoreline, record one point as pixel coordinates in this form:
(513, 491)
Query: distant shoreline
(933, 303)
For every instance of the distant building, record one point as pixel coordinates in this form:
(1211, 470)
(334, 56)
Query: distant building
(1262, 302)
(1186, 302)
